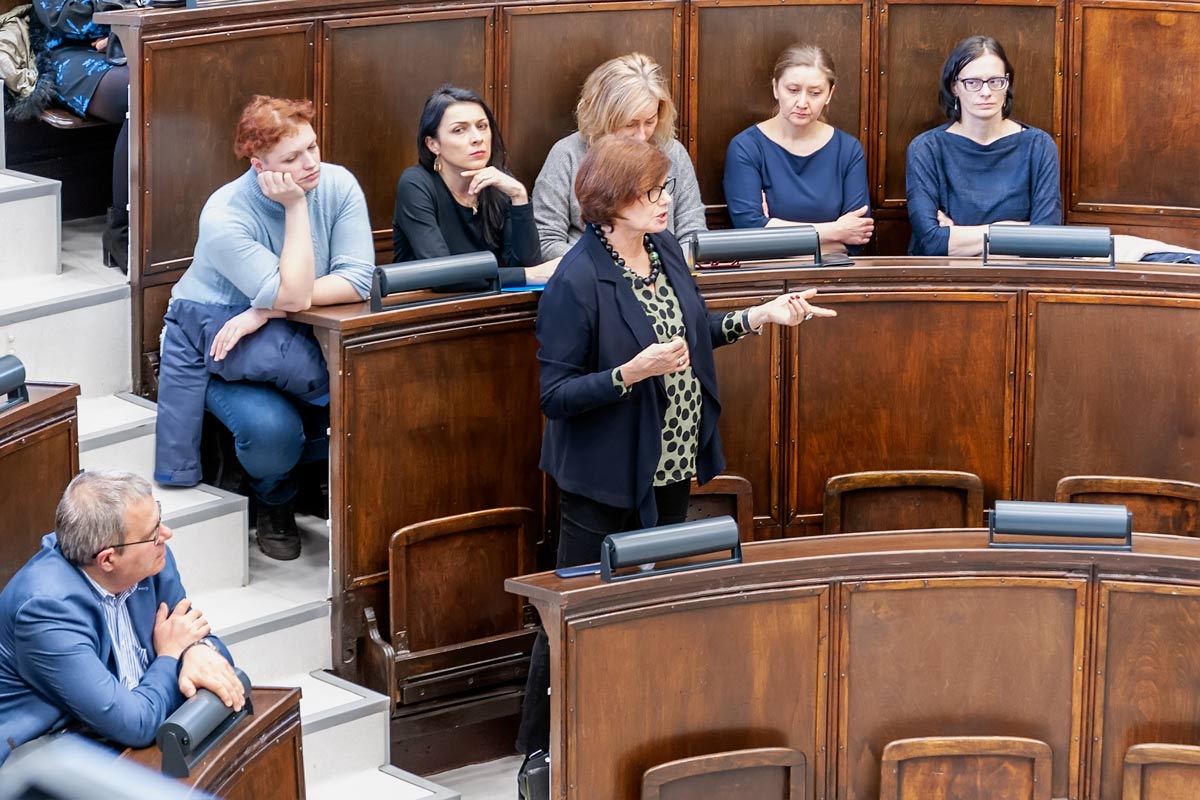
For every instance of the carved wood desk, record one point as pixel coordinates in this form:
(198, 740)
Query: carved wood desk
(261, 758)
(39, 455)
(835, 646)
(1020, 375)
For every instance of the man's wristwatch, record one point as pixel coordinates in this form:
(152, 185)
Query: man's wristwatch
(205, 642)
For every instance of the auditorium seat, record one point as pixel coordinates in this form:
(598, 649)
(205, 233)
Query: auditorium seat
(902, 500)
(725, 495)
(1158, 506)
(446, 578)
(1161, 772)
(965, 766)
(764, 773)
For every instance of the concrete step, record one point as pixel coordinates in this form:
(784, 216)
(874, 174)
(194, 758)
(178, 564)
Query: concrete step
(210, 525)
(386, 782)
(32, 205)
(345, 725)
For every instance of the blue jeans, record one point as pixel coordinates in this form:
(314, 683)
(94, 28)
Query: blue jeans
(272, 433)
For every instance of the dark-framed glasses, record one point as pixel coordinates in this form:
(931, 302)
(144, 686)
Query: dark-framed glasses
(154, 537)
(996, 84)
(655, 193)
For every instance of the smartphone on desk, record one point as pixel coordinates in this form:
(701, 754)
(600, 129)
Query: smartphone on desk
(579, 571)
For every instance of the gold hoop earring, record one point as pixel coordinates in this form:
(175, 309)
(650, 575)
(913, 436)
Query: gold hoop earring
(437, 164)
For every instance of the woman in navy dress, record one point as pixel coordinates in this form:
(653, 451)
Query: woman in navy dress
(981, 167)
(71, 48)
(795, 167)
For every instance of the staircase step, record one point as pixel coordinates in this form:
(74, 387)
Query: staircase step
(386, 782)
(113, 418)
(274, 646)
(210, 525)
(346, 727)
(30, 204)
(491, 780)
(64, 333)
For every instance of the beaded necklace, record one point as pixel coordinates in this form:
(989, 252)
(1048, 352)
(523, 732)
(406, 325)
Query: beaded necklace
(651, 250)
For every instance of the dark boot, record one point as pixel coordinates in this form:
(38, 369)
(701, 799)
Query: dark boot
(278, 536)
(116, 239)
(533, 779)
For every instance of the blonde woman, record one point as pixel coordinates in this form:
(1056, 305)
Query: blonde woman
(627, 96)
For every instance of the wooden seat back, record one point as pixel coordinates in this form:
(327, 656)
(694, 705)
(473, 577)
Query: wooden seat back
(1158, 506)
(764, 773)
(996, 767)
(902, 500)
(725, 495)
(1161, 772)
(453, 627)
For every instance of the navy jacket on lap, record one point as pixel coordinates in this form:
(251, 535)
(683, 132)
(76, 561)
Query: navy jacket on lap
(596, 442)
(57, 664)
(281, 353)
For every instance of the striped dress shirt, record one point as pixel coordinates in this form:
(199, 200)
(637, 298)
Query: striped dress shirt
(132, 658)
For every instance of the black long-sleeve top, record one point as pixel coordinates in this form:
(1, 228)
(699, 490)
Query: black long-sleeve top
(429, 223)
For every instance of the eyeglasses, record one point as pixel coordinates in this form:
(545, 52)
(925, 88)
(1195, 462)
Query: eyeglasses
(154, 538)
(655, 193)
(996, 84)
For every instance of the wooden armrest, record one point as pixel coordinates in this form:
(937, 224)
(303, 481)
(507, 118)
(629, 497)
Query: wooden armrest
(66, 120)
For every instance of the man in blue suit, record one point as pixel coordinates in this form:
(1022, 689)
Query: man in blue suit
(96, 630)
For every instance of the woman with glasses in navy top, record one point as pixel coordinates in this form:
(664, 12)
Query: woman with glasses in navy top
(982, 167)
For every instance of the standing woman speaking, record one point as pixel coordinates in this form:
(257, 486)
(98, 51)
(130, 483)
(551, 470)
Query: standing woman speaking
(628, 380)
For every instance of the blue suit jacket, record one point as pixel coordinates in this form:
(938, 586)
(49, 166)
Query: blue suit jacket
(56, 655)
(597, 443)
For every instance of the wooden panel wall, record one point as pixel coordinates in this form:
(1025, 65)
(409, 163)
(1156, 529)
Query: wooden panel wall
(547, 53)
(453, 47)
(1080, 345)
(892, 689)
(458, 406)
(1141, 90)
(1148, 677)
(761, 644)
(1087, 71)
(850, 402)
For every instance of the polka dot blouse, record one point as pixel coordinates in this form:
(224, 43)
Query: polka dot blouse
(682, 422)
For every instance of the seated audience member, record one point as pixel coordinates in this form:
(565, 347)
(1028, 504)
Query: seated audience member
(96, 630)
(795, 167)
(981, 167)
(627, 95)
(70, 49)
(460, 198)
(290, 233)
(628, 379)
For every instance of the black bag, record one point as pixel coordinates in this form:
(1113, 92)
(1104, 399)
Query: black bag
(533, 779)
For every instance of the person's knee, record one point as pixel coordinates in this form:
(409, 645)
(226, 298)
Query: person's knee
(269, 444)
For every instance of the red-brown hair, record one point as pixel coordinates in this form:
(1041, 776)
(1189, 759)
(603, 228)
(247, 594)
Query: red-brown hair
(266, 120)
(616, 171)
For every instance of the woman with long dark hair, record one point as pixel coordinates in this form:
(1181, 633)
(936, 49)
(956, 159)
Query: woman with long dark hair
(460, 198)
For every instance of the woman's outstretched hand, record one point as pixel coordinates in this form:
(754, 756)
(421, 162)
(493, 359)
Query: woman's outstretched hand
(788, 309)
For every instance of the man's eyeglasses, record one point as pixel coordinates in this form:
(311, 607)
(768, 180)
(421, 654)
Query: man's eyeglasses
(997, 84)
(655, 193)
(154, 537)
